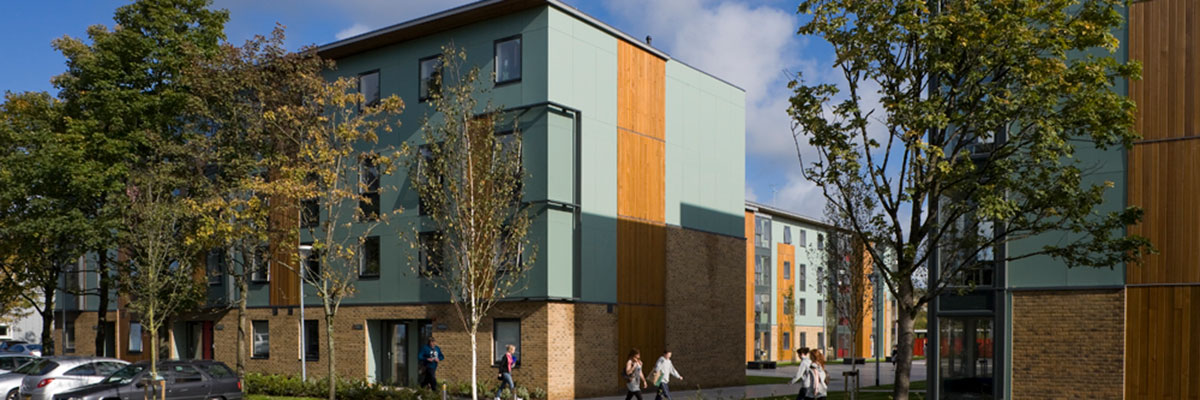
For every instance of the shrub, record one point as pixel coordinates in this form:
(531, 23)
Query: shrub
(347, 389)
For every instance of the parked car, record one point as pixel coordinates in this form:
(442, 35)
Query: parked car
(185, 380)
(9, 362)
(25, 348)
(44, 377)
(9, 342)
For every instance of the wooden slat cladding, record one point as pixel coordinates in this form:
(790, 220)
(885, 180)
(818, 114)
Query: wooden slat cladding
(642, 328)
(1164, 179)
(641, 183)
(1161, 37)
(284, 281)
(1162, 340)
(641, 262)
(641, 91)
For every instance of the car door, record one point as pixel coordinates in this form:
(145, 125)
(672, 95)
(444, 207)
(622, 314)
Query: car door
(81, 375)
(224, 383)
(187, 383)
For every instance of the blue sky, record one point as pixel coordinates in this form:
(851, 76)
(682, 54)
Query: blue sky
(752, 44)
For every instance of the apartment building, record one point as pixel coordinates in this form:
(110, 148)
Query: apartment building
(1037, 329)
(788, 296)
(636, 174)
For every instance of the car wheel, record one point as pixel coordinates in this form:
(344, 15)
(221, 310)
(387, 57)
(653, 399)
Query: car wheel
(12, 395)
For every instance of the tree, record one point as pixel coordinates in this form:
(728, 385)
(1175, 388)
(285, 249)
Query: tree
(847, 278)
(469, 180)
(236, 92)
(336, 167)
(983, 104)
(122, 87)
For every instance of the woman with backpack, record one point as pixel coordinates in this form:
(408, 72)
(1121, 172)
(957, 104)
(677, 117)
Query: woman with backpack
(635, 380)
(506, 363)
(820, 383)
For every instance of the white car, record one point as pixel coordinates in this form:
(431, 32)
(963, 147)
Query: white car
(42, 378)
(9, 362)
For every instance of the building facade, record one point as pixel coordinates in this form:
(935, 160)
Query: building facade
(788, 295)
(1037, 329)
(636, 174)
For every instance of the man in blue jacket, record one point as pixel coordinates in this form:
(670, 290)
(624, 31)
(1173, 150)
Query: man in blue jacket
(430, 355)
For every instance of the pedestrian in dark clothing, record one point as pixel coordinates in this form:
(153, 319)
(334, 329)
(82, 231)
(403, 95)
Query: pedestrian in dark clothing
(429, 356)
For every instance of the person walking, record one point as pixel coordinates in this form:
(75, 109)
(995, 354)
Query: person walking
(635, 380)
(429, 356)
(506, 366)
(820, 383)
(803, 374)
(663, 369)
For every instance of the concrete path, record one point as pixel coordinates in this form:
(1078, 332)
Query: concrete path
(836, 383)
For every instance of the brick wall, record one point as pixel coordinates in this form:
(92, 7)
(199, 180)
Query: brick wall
(705, 308)
(1068, 344)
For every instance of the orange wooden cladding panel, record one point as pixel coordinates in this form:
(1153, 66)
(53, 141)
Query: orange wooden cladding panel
(284, 281)
(1161, 36)
(1164, 179)
(1162, 340)
(642, 328)
(641, 90)
(641, 262)
(641, 182)
(785, 252)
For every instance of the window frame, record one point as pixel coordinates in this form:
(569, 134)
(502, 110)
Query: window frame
(820, 308)
(312, 253)
(787, 235)
(371, 190)
(254, 355)
(497, 352)
(787, 270)
(311, 357)
(69, 337)
(802, 307)
(802, 277)
(422, 97)
(496, 59)
(363, 261)
(138, 337)
(787, 340)
(378, 88)
(215, 277)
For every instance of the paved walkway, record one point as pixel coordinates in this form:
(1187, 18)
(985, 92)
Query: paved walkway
(836, 383)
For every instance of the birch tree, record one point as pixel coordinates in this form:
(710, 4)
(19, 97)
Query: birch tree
(469, 180)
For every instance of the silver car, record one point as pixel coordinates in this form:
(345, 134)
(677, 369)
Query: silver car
(43, 378)
(9, 362)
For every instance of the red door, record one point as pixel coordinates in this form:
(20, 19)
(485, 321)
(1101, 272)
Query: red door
(206, 340)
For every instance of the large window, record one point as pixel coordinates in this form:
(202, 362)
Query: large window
(803, 339)
(260, 347)
(504, 333)
(803, 278)
(508, 60)
(368, 257)
(802, 307)
(69, 337)
(787, 235)
(787, 270)
(135, 337)
(368, 186)
(966, 363)
(430, 76)
(312, 260)
(368, 85)
(762, 232)
(262, 263)
(312, 340)
(215, 266)
(803, 238)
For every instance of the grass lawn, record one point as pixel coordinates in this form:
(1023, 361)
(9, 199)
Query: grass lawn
(766, 380)
(265, 397)
(917, 393)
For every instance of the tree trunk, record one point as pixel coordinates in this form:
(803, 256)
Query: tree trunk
(102, 309)
(47, 313)
(243, 287)
(329, 315)
(854, 362)
(475, 367)
(154, 353)
(904, 348)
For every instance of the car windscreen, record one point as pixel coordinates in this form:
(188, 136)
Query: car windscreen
(37, 367)
(124, 375)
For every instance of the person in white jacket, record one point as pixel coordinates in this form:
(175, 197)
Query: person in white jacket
(820, 384)
(803, 374)
(663, 369)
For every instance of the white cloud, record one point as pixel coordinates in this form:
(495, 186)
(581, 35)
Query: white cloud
(353, 30)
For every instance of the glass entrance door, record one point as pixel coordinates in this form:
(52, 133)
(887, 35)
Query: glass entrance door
(398, 353)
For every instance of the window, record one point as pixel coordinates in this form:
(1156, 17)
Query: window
(787, 270)
(135, 337)
(368, 257)
(803, 306)
(218, 371)
(82, 370)
(426, 155)
(820, 308)
(72, 276)
(803, 278)
(3, 330)
(821, 341)
(260, 346)
(820, 279)
(312, 340)
(310, 213)
(803, 238)
(966, 370)
(504, 333)
(430, 77)
(185, 373)
(262, 263)
(508, 60)
(106, 368)
(215, 266)
(368, 187)
(787, 235)
(430, 253)
(762, 234)
(820, 241)
(69, 337)
(787, 340)
(803, 339)
(312, 260)
(368, 85)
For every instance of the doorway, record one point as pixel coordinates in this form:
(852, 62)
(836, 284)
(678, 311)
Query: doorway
(197, 341)
(394, 345)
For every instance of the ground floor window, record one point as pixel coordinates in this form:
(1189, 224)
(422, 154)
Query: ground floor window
(312, 340)
(965, 364)
(821, 341)
(504, 333)
(69, 337)
(261, 345)
(135, 337)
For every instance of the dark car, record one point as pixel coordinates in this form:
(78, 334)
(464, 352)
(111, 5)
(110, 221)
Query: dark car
(185, 380)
